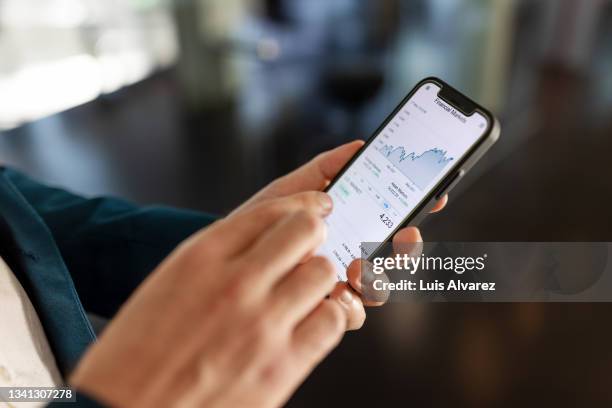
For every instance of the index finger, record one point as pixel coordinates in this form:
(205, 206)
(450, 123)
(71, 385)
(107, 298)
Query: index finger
(282, 247)
(238, 231)
(317, 173)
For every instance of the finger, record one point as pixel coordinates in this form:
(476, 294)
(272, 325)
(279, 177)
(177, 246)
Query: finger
(240, 230)
(282, 247)
(408, 241)
(440, 204)
(302, 290)
(361, 278)
(351, 304)
(317, 173)
(317, 335)
(360, 274)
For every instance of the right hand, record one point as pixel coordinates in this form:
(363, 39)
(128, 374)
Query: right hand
(231, 318)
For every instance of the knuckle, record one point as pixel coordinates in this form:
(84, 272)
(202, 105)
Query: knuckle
(311, 198)
(359, 319)
(252, 268)
(304, 198)
(323, 269)
(263, 325)
(237, 291)
(273, 374)
(310, 222)
(316, 277)
(271, 209)
(209, 248)
(333, 317)
(274, 209)
(264, 333)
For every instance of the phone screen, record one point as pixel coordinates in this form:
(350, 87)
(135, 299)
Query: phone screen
(397, 170)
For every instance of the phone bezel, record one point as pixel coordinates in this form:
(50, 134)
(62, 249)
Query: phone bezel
(444, 181)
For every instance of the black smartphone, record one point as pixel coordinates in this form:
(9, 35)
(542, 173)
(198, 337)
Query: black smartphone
(419, 153)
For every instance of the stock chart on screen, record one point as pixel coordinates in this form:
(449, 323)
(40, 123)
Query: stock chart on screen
(410, 154)
(422, 167)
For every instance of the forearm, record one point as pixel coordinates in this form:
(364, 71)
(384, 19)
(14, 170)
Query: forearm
(108, 244)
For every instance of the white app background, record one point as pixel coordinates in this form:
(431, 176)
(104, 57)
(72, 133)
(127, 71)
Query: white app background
(385, 183)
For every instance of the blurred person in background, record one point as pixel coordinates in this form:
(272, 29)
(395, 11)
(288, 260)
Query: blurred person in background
(236, 314)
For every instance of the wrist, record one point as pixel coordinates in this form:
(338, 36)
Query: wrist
(105, 380)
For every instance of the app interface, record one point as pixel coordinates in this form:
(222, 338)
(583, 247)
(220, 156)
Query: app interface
(411, 154)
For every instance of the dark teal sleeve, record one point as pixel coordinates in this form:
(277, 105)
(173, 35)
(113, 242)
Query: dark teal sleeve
(108, 244)
(82, 401)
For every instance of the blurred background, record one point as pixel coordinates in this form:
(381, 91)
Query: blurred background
(199, 103)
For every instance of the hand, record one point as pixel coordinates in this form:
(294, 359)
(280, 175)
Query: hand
(231, 318)
(315, 176)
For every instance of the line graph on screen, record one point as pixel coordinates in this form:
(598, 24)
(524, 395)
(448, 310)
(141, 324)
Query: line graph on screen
(421, 167)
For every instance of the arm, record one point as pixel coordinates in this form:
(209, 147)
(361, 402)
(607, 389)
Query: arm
(243, 303)
(108, 244)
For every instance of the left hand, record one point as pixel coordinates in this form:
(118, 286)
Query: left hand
(316, 175)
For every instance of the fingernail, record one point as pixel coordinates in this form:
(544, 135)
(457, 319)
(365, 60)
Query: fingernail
(346, 297)
(326, 202)
(358, 285)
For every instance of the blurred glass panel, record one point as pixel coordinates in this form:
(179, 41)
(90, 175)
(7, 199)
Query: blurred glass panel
(56, 54)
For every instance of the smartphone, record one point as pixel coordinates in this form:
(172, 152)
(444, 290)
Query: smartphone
(418, 154)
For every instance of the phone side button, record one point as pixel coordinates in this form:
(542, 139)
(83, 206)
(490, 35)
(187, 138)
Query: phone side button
(450, 183)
